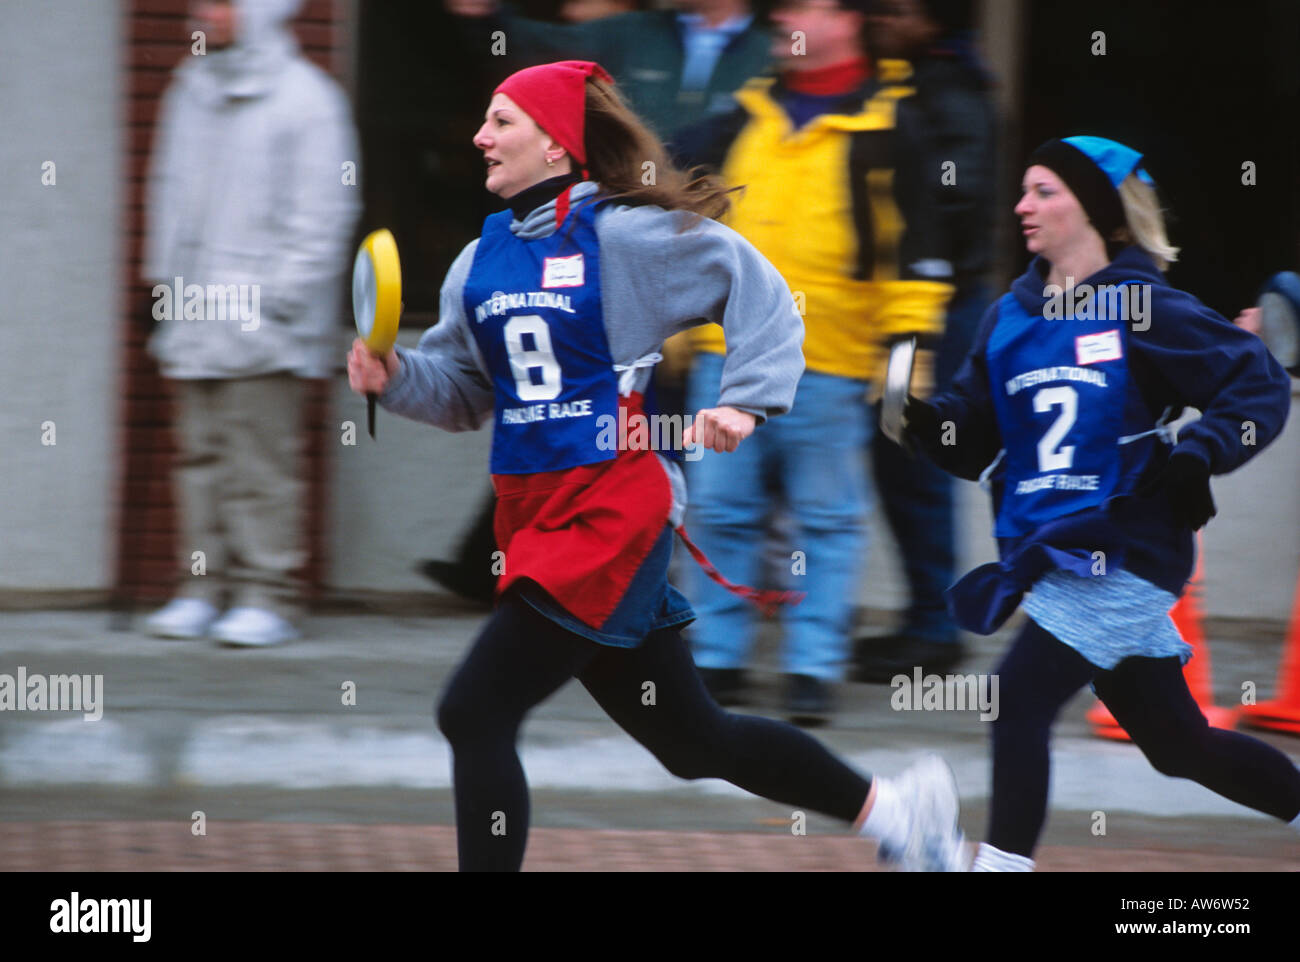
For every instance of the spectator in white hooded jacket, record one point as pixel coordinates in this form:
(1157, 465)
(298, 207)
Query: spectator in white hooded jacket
(252, 201)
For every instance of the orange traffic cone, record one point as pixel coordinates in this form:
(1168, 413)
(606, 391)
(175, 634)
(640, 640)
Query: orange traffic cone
(1103, 723)
(1283, 713)
(1186, 614)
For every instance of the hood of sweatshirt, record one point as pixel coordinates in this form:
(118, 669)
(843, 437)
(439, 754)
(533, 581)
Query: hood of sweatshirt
(264, 46)
(541, 221)
(1130, 264)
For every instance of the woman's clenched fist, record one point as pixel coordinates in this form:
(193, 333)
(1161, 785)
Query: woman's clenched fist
(368, 374)
(720, 429)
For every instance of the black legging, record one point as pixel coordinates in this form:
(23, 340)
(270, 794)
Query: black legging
(1149, 698)
(521, 658)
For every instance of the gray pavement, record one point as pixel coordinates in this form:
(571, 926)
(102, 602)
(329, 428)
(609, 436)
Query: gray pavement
(266, 735)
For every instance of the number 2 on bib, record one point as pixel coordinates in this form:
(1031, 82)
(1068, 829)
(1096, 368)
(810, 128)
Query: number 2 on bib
(1050, 456)
(525, 360)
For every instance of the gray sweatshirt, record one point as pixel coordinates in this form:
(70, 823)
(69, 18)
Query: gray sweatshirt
(252, 199)
(656, 279)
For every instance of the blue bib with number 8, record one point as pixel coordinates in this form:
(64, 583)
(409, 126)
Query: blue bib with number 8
(1059, 389)
(534, 308)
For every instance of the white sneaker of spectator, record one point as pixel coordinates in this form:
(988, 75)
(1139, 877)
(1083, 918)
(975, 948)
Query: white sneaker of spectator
(253, 628)
(184, 618)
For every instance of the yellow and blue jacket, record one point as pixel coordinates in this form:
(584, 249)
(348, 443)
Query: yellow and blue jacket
(845, 208)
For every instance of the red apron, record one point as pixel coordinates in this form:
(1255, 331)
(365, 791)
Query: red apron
(582, 533)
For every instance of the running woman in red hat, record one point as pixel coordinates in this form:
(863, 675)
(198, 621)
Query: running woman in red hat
(550, 324)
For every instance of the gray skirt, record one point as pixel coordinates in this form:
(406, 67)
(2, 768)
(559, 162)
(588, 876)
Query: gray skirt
(1107, 618)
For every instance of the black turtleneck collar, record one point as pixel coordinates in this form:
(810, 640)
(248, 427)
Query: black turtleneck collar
(531, 198)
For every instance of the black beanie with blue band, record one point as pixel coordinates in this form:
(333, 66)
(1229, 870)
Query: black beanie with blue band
(1093, 168)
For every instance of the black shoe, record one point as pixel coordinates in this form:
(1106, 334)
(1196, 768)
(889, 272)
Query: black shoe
(900, 655)
(872, 647)
(459, 580)
(727, 686)
(807, 701)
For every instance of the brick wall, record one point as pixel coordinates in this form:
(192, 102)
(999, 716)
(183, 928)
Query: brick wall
(157, 37)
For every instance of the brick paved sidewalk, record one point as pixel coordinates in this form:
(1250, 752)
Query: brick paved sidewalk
(115, 846)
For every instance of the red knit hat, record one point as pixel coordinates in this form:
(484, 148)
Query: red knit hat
(554, 95)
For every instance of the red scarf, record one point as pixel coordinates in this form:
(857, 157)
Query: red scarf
(840, 78)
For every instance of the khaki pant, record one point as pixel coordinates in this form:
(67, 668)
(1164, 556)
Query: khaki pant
(239, 490)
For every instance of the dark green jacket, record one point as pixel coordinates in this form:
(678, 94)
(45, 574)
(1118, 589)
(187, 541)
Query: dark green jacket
(644, 53)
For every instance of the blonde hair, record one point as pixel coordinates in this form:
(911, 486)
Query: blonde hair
(1144, 221)
(619, 147)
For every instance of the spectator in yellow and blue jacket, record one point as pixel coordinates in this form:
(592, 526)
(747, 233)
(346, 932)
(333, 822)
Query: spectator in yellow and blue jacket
(839, 196)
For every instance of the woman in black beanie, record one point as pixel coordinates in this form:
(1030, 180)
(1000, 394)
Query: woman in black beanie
(1062, 405)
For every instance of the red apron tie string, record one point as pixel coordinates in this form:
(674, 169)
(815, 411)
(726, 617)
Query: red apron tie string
(766, 599)
(562, 206)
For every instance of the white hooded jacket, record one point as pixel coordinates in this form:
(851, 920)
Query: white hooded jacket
(254, 192)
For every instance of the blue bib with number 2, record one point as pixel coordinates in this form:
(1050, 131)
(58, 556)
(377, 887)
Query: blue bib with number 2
(1059, 388)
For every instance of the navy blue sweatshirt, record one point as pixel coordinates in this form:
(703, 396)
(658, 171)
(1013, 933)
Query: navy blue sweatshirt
(1187, 356)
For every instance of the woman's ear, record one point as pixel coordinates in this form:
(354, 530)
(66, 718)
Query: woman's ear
(556, 155)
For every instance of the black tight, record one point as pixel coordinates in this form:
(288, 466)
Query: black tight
(521, 658)
(1149, 698)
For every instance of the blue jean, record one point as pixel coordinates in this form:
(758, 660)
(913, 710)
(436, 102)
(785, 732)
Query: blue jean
(813, 457)
(916, 497)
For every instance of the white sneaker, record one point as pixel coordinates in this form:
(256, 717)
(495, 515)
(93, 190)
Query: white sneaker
(182, 618)
(934, 842)
(253, 627)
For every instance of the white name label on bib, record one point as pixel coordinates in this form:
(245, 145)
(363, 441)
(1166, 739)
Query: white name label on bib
(562, 271)
(1094, 348)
